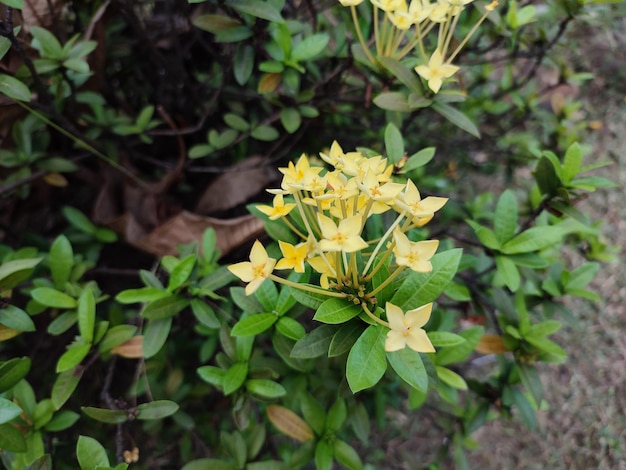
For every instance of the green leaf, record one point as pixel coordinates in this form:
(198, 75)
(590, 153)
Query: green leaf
(544, 328)
(460, 352)
(532, 382)
(86, 315)
(290, 328)
(456, 117)
(420, 289)
(265, 388)
(115, 336)
(394, 143)
(72, 357)
(12, 371)
(254, 324)
(105, 416)
(267, 295)
(409, 366)
(324, 455)
(143, 294)
(581, 276)
(62, 421)
(52, 298)
(204, 314)
(336, 416)
(247, 303)
(14, 272)
(525, 409)
(46, 43)
(61, 261)
(402, 73)
(345, 337)
(213, 464)
(265, 133)
(212, 375)
(485, 235)
(91, 454)
(509, 272)
(571, 162)
(346, 455)
(308, 299)
(8, 410)
(16, 318)
(445, 339)
(366, 363)
(236, 122)
(392, 101)
(14, 88)
(258, 8)
(534, 239)
(243, 64)
(180, 274)
(18, 4)
(11, 439)
(62, 323)
(505, 217)
(334, 311)
(315, 343)
(313, 413)
(215, 23)
(235, 377)
(5, 45)
(64, 385)
(309, 47)
(451, 378)
(547, 177)
(418, 160)
(157, 409)
(290, 119)
(164, 308)
(155, 335)
(545, 345)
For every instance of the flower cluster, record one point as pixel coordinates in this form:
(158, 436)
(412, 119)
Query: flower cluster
(402, 26)
(328, 210)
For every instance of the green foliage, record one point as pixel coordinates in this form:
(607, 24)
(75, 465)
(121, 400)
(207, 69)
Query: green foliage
(288, 377)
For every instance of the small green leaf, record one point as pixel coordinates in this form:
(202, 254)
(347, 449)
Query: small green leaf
(505, 217)
(309, 47)
(104, 415)
(445, 339)
(265, 388)
(571, 162)
(212, 375)
(451, 378)
(290, 328)
(315, 343)
(86, 314)
(346, 455)
(485, 235)
(524, 407)
(143, 294)
(12, 371)
(308, 299)
(215, 23)
(544, 328)
(204, 314)
(16, 318)
(11, 439)
(508, 272)
(91, 454)
(8, 410)
(290, 119)
(62, 323)
(409, 366)
(115, 336)
(180, 274)
(457, 118)
(64, 385)
(345, 337)
(334, 311)
(157, 409)
(267, 295)
(254, 324)
(61, 261)
(336, 416)
(14, 88)
(46, 43)
(62, 421)
(235, 377)
(402, 73)
(324, 453)
(18, 4)
(366, 361)
(72, 357)
(259, 8)
(265, 133)
(394, 143)
(418, 160)
(165, 308)
(460, 352)
(14, 272)
(155, 335)
(243, 63)
(547, 177)
(53, 298)
(392, 101)
(534, 239)
(532, 382)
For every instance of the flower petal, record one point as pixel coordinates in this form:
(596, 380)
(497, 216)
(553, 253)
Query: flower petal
(242, 270)
(418, 317)
(395, 316)
(418, 341)
(395, 341)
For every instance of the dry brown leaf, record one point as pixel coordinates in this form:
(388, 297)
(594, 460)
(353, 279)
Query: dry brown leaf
(131, 349)
(491, 344)
(42, 13)
(230, 189)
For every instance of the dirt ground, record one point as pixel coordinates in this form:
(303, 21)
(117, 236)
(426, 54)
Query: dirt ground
(585, 425)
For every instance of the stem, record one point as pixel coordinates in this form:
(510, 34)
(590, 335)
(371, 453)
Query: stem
(382, 241)
(469, 35)
(374, 317)
(294, 229)
(359, 34)
(306, 288)
(384, 284)
(305, 220)
(379, 265)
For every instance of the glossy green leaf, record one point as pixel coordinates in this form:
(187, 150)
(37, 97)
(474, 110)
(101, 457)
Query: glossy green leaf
(308, 299)
(534, 239)
(8, 410)
(346, 455)
(72, 357)
(204, 314)
(456, 117)
(14, 272)
(143, 294)
(12, 371)
(205, 464)
(155, 335)
(91, 454)
(544, 328)
(334, 311)
(259, 8)
(505, 217)
(445, 339)
(212, 375)
(11, 439)
(46, 43)
(486, 236)
(265, 133)
(345, 337)
(508, 272)
(290, 119)
(157, 409)
(547, 177)
(64, 385)
(42, 414)
(392, 101)
(366, 361)
(315, 343)
(324, 453)
(235, 377)
(394, 143)
(115, 336)
(164, 308)
(86, 315)
(61, 261)
(265, 388)
(525, 409)
(420, 289)
(53, 298)
(409, 366)
(531, 381)
(460, 352)
(290, 328)
(309, 47)
(254, 324)
(336, 416)
(247, 303)
(180, 274)
(313, 413)
(14, 88)
(418, 160)
(104, 415)
(267, 295)
(451, 378)
(16, 318)
(61, 421)
(402, 73)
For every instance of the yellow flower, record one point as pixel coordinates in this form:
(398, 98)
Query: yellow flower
(255, 271)
(346, 237)
(436, 71)
(294, 256)
(297, 176)
(415, 255)
(278, 209)
(417, 207)
(326, 267)
(406, 329)
(387, 5)
(350, 3)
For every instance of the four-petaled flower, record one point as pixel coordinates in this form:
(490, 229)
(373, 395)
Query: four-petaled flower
(415, 255)
(278, 208)
(345, 237)
(406, 329)
(436, 71)
(255, 271)
(294, 256)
